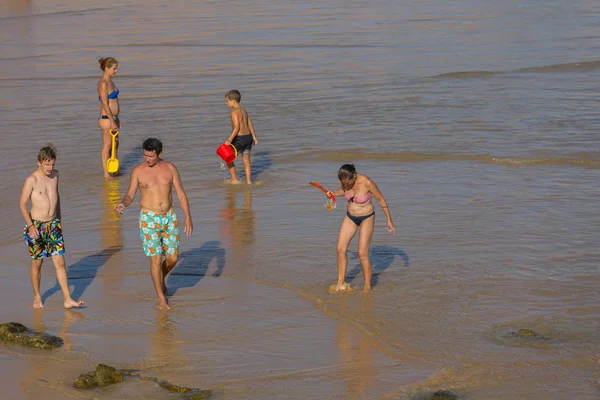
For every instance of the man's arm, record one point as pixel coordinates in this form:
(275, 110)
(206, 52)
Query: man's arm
(235, 126)
(183, 200)
(130, 195)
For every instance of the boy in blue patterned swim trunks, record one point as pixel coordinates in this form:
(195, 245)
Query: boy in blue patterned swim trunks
(159, 228)
(43, 230)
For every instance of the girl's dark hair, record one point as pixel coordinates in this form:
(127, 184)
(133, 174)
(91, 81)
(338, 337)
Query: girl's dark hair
(346, 171)
(152, 144)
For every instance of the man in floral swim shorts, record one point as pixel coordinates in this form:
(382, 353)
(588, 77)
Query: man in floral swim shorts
(159, 228)
(159, 233)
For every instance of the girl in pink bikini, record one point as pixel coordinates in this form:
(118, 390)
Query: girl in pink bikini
(360, 217)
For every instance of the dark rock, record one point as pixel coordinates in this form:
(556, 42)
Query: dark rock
(102, 376)
(19, 333)
(85, 381)
(174, 388)
(105, 375)
(528, 334)
(439, 395)
(443, 395)
(201, 395)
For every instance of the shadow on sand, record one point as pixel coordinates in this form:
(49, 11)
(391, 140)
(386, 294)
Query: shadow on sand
(194, 264)
(261, 161)
(382, 256)
(130, 159)
(82, 273)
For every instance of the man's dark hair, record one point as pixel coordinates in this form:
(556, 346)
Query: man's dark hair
(152, 144)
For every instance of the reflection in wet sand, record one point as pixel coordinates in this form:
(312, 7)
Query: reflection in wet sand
(356, 355)
(35, 378)
(69, 316)
(166, 349)
(111, 226)
(237, 226)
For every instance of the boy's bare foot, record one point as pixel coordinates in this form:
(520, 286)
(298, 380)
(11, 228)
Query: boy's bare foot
(367, 289)
(163, 305)
(72, 303)
(37, 302)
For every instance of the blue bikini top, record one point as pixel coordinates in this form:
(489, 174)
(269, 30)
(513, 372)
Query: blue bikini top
(112, 95)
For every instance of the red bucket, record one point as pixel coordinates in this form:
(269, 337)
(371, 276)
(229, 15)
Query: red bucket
(227, 152)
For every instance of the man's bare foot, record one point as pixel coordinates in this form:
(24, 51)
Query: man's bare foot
(367, 289)
(37, 302)
(163, 305)
(72, 303)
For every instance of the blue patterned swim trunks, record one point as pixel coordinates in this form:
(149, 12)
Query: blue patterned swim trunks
(159, 233)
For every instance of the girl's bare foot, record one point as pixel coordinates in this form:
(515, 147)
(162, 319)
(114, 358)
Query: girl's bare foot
(37, 302)
(72, 303)
(342, 287)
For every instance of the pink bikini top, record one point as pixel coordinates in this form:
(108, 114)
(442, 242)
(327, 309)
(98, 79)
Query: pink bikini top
(358, 200)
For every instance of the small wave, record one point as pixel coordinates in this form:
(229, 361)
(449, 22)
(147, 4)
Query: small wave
(512, 161)
(247, 45)
(467, 74)
(65, 12)
(566, 67)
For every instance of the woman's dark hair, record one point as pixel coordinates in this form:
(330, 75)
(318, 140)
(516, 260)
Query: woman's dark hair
(152, 144)
(346, 171)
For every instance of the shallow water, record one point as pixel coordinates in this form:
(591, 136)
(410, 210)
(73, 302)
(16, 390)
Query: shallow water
(477, 121)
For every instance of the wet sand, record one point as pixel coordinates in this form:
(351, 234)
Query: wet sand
(478, 123)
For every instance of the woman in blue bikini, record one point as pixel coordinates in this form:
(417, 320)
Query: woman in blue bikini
(360, 217)
(108, 94)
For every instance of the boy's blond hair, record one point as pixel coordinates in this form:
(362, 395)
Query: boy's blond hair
(48, 152)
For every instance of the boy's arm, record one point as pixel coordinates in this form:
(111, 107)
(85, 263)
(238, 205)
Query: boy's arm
(235, 126)
(183, 200)
(25, 196)
(130, 195)
(58, 213)
(251, 126)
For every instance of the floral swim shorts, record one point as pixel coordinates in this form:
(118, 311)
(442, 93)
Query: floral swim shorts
(50, 241)
(159, 233)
